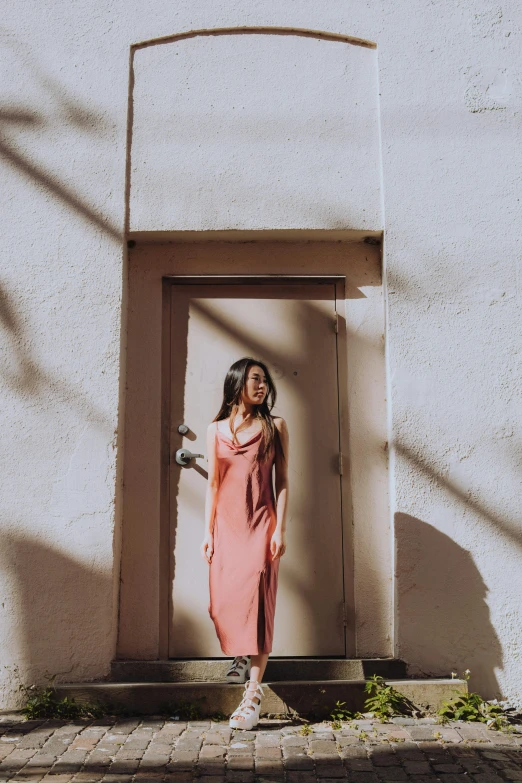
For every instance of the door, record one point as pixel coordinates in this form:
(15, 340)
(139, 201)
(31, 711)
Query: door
(291, 327)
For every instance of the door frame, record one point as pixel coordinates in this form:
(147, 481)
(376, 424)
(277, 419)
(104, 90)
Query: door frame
(339, 282)
(368, 499)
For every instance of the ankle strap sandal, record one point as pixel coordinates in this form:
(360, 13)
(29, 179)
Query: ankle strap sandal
(246, 716)
(239, 669)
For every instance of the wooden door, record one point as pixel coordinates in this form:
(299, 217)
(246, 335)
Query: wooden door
(291, 327)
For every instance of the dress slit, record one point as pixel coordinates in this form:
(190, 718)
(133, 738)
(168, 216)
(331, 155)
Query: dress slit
(261, 620)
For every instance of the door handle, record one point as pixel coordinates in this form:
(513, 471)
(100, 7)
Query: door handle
(183, 456)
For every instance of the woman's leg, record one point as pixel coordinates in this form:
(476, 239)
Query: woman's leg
(258, 666)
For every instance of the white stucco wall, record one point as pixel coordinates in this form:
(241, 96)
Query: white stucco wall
(449, 91)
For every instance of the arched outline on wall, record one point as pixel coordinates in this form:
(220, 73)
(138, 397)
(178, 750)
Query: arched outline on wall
(300, 31)
(206, 32)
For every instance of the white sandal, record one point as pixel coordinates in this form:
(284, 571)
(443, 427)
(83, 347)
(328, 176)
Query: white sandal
(239, 669)
(247, 714)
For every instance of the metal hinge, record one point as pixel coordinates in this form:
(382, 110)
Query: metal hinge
(336, 323)
(340, 463)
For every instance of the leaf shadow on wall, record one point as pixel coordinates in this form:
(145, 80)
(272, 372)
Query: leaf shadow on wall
(443, 615)
(49, 606)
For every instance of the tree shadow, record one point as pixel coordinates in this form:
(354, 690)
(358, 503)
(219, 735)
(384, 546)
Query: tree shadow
(443, 615)
(51, 629)
(22, 374)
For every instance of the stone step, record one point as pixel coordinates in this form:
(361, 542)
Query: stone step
(278, 669)
(309, 699)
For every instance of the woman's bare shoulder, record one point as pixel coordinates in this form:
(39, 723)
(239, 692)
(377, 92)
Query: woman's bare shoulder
(212, 427)
(280, 423)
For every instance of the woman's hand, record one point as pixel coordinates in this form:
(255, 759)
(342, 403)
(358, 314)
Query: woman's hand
(277, 544)
(207, 547)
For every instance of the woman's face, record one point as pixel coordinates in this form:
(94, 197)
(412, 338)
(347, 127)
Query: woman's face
(256, 387)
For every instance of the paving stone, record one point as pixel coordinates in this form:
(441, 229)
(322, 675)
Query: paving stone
(124, 766)
(362, 777)
(499, 738)
(189, 746)
(446, 769)
(300, 777)
(243, 738)
(180, 776)
(99, 759)
(87, 777)
(298, 762)
(495, 755)
(344, 742)
(487, 777)
(268, 753)
(421, 733)
(137, 744)
(417, 767)
(154, 761)
(446, 734)
(330, 772)
(237, 752)
(330, 762)
(393, 774)
(322, 746)
(128, 753)
(213, 738)
(463, 778)
(410, 754)
(211, 767)
(353, 751)
(462, 751)
(365, 765)
(240, 762)
(269, 766)
(291, 741)
(212, 751)
(382, 757)
(125, 726)
(181, 760)
(239, 776)
(42, 760)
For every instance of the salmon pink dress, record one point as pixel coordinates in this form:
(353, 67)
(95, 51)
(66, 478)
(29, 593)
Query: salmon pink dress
(242, 574)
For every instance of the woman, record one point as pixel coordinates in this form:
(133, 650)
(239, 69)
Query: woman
(245, 525)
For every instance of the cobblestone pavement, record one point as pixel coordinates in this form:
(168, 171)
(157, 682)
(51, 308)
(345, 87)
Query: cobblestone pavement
(155, 750)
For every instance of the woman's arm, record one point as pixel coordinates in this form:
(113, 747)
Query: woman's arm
(278, 542)
(207, 547)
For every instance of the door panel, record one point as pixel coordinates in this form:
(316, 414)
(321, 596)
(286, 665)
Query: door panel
(289, 326)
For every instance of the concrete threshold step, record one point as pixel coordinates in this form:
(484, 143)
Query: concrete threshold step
(278, 669)
(314, 699)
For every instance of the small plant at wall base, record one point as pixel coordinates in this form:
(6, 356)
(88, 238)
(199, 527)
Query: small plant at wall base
(472, 707)
(384, 701)
(339, 714)
(186, 710)
(43, 702)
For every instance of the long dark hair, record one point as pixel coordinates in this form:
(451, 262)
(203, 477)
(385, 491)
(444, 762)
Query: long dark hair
(233, 386)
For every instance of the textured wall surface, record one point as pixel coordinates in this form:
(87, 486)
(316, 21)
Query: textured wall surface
(449, 91)
(255, 131)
